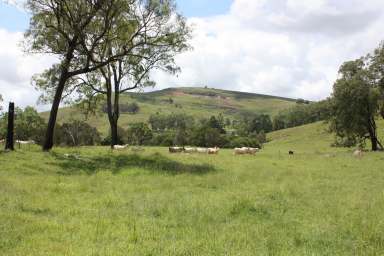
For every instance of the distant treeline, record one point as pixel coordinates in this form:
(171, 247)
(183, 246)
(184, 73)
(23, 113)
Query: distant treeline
(171, 129)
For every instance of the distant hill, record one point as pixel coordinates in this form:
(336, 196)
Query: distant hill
(198, 102)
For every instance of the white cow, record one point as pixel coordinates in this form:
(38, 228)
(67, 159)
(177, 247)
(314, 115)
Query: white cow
(202, 150)
(120, 147)
(253, 151)
(189, 150)
(21, 142)
(358, 153)
(213, 151)
(176, 149)
(241, 151)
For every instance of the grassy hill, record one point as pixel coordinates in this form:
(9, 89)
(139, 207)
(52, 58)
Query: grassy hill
(321, 201)
(313, 137)
(198, 102)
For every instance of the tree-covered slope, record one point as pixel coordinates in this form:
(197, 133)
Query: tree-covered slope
(198, 102)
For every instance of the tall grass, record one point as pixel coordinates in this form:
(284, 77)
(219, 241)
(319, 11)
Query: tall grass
(91, 201)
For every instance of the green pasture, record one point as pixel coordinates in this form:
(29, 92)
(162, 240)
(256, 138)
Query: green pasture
(92, 201)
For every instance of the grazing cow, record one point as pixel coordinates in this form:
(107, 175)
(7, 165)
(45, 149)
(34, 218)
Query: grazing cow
(291, 152)
(202, 150)
(119, 147)
(25, 142)
(176, 149)
(358, 153)
(241, 151)
(190, 150)
(213, 151)
(253, 151)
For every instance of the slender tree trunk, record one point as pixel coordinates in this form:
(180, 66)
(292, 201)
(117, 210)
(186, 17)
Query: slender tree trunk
(373, 135)
(111, 119)
(48, 144)
(10, 131)
(114, 133)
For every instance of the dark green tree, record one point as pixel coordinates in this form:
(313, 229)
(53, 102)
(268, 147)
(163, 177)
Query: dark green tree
(355, 104)
(29, 125)
(139, 134)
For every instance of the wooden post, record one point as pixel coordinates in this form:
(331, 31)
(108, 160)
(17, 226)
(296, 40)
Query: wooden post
(11, 119)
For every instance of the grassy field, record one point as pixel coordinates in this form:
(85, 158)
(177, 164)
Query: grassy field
(198, 102)
(321, 201)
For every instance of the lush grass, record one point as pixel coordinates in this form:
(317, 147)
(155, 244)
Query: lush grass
(321, 201)
(198, 102)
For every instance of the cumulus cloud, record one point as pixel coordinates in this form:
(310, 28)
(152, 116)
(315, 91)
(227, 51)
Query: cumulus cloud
(17, 68)
(289, 48)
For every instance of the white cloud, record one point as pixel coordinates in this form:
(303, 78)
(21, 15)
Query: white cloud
(16, 70)
(288, 48)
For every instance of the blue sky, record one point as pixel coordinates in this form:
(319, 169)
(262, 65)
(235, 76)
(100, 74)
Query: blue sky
(12, 19)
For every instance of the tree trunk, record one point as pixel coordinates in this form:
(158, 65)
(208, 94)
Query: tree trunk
(114, 134)
(10, 131)
(373, 135)
(374, 144)
(48, 144)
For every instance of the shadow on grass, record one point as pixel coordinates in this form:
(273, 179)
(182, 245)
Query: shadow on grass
(155, 163)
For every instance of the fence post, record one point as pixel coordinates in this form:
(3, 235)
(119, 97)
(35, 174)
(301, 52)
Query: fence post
(11, 119)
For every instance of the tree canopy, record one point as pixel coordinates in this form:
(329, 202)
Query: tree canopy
(117, 38)
(354, 104)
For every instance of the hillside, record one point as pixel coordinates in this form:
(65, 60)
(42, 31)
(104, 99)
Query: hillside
(312, 138)
(198, 102)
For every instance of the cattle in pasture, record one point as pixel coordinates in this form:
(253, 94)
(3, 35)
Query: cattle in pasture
(27, 142)
(119, 147)
(291, 153)
(241, 151)
(176, 149)
(189, 150)
(253, 151)
(358, 153)
(202, 150)
(213, 151)
(246, 150)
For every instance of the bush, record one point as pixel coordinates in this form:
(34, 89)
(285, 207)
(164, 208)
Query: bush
(77, 133)
(139, 134)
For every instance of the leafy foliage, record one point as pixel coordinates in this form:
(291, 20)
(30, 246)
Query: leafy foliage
(28, 125)
(77, 133)
(355, 104)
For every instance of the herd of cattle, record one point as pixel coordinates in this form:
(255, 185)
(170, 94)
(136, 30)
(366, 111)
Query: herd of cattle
(190, 150)
(212, 151)
(20, 142)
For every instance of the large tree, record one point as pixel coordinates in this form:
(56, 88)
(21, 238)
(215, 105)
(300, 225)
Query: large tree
(377, 71)
(355, 104)
(166, 34)
(76, 31)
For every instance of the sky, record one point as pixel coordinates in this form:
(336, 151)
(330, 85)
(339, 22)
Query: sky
(290, 48)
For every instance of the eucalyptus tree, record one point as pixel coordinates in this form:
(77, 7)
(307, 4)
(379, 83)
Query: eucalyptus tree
(166, 35)
(377, 73)
(354, 104)
(76, 32)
